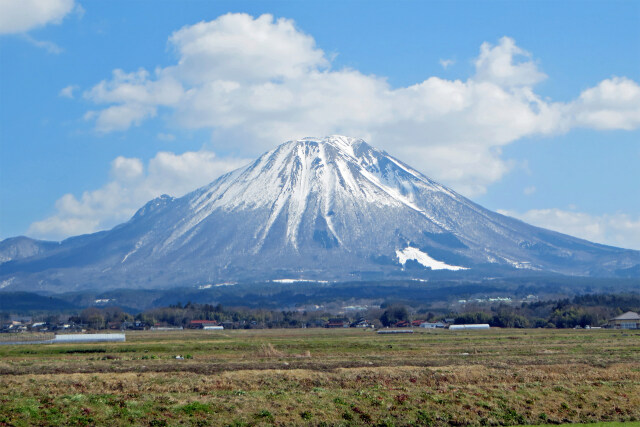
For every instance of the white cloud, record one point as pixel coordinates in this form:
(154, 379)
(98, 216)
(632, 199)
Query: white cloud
(136, 98)
(49, 46)
(613, 104)
(497, 64)
(529, 190)
(67, 92)
(258, 82)
(19, 16)
(166, 136)
(131, 185)
(120, 117)
(618, 229)
(446, 63)
(125, 169)
(236, 47)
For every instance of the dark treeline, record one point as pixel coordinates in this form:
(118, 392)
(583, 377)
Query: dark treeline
(182, 315)
(583, 310)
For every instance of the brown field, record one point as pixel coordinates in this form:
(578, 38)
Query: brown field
(326, 377)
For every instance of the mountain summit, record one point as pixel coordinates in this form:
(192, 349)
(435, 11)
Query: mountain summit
(330, 208)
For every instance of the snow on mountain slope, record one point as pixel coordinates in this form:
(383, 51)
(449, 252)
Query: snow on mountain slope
(416, 254)
(329, 208)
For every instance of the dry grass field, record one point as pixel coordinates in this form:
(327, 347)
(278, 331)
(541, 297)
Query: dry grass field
(326, 377)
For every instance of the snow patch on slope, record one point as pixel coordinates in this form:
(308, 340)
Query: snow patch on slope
(138, 246)
(410, 253)
(7, 282)
(520, 265)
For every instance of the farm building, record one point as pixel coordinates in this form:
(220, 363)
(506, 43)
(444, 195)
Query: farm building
(628, 320)
(137, 325)
(212, 327)
(430, 325)
(469, 327)
(337, 323)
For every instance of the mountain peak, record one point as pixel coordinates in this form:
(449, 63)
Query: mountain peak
(153, 205)
(336, 140)
(345, 144)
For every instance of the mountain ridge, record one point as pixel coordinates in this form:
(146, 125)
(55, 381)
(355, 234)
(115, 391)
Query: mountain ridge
(330, 208)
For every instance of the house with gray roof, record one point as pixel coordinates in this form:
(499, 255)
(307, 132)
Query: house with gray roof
(628, 320)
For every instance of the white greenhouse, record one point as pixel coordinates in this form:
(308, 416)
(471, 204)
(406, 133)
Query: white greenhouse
(469, 327)
(88, 338)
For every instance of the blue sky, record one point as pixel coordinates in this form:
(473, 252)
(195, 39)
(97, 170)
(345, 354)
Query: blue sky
(529, 108)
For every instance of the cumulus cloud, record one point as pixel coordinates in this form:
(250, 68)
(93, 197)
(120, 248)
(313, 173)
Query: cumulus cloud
(236, 47)
(136, 98)
(19, 16)
(613, 104)
(256, 82)
(618, 229)
(130, 186)
(507, 65)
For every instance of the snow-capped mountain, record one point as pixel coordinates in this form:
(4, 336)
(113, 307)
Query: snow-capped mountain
(329, 208)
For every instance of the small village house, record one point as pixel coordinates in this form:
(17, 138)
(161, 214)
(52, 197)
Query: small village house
(628, 320)
(432, 325)
(361, 323)
(337, 323)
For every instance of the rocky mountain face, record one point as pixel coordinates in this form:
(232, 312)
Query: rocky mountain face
(20, 247)
(328, 209)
